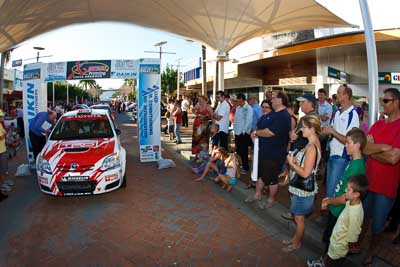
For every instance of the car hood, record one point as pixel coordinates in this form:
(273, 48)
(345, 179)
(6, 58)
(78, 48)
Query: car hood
(79, 156)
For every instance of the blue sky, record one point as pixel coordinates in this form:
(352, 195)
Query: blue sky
(106, 40)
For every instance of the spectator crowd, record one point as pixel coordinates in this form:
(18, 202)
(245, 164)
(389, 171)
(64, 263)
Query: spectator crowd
(359, 165)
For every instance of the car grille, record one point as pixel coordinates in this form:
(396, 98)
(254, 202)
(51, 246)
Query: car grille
(84, 187)
(82, 168)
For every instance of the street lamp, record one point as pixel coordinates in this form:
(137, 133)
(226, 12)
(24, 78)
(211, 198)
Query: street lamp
(160, 52)
(38, 48)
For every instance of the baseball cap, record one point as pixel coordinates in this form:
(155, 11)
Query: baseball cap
(2, 113)
(307, 96)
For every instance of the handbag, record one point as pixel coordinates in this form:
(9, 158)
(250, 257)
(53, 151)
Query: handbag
(304, 183)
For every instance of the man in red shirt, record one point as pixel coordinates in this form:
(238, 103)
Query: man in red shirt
(383, 166)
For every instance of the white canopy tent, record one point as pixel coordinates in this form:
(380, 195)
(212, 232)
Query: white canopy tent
(220, 24)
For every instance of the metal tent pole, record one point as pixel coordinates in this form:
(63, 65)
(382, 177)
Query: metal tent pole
(373, 82)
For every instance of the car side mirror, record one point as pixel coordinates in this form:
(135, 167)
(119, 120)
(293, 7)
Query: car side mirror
(118, 131)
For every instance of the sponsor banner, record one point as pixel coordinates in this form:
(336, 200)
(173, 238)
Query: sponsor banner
(124, 69)
(16, 63)
(149, 110)
(395, 78)
(385, 77)
(18, 80)
(338, 74)
(34, 97)
(55, 71)
(88, 70)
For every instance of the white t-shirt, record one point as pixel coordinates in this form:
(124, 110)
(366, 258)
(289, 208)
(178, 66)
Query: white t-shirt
(341, 125)
(185, 105)
(223, 110)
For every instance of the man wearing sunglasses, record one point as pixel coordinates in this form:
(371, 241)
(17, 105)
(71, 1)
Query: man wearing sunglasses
(383, 166)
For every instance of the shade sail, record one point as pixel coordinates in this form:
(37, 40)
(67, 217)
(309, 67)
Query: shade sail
(220, 24)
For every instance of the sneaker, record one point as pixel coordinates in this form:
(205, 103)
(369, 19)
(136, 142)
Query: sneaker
(9, 182)
(287, 216)
(316, 263)
(6, 188)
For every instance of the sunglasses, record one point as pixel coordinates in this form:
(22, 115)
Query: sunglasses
(266, 107)
(386, 100)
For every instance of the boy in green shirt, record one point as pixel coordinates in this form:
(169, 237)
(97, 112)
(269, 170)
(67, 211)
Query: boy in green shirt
(355, 143)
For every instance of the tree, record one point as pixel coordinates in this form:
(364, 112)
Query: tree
(87, 84)
(131, 83)
(168, 80)
(60, 90)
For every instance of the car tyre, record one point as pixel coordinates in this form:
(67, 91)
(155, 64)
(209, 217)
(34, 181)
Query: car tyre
(123, 185)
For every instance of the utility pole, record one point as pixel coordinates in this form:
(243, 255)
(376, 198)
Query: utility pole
(160, 52)
(204, 71)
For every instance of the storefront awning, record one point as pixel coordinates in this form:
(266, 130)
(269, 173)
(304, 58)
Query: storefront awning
(221, 24)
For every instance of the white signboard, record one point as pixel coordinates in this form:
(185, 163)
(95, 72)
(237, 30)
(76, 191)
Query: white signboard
(18, 81)
(34, 99)
(56, 71)
(149, 110)
(395, 77)
(124, 69)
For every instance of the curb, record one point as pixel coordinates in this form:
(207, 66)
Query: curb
(270, 219)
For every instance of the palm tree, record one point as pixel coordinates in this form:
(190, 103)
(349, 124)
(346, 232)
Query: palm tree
(87, 84)
(5, 58)
(132, 84)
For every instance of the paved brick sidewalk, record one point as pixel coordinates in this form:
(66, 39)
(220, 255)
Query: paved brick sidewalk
(162, 218)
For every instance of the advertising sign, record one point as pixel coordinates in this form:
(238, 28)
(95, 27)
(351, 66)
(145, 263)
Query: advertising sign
(385, 77)
(338, 74)
(395, 77)
(88, 70)
(18, 80)
(124, 69)
(149, 110)
(16, 63)
(55, 71)
(34, 99)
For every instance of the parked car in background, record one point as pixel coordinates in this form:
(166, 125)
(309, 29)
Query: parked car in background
(105, 107)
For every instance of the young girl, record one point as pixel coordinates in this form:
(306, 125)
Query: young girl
(232, 164)
(170, 125)
(215, 163)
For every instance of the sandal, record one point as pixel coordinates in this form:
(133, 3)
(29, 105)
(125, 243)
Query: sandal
(290, 248)
(251, 199)
(287, 242)
(263, 206)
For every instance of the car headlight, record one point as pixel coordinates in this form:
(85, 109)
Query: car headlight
(111, 162)
(44, 166)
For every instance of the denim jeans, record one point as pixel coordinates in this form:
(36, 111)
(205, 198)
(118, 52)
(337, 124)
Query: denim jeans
(178, 132)
(335, 170)
(377, 207)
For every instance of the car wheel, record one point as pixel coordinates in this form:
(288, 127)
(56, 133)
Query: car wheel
(123, 185)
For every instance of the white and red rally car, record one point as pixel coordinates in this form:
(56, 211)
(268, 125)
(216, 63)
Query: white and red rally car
(82, 156)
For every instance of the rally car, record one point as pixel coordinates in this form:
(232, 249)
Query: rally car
(82, 156)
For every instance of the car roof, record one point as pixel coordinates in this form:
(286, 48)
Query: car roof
(88, 111)
(99, 105)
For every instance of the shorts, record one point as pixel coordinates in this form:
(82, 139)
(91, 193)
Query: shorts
(171, 128)
(233, 181)
(4, 163)
(269, 171)
(301, 205)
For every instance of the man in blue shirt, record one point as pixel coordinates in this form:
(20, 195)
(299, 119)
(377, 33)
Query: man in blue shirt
(39, 127)
(242, 129)
(253, 102)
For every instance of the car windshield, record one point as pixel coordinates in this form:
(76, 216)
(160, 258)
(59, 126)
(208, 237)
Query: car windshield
(82, 127)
